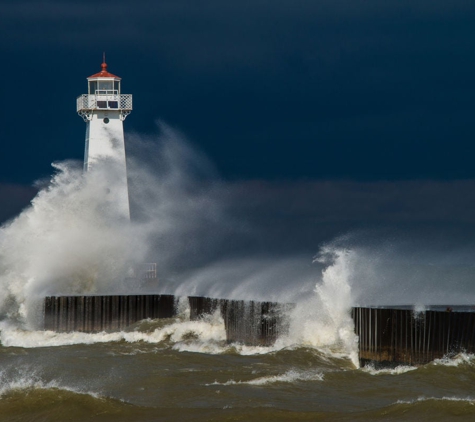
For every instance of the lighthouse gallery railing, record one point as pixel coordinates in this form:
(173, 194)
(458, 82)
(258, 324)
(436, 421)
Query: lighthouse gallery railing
(94, 102)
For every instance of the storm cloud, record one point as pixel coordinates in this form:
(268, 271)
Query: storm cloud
(353, 90)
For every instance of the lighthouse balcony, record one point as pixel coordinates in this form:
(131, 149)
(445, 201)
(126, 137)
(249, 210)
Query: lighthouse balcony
(122, 102)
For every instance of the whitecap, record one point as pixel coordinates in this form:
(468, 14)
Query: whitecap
(290, 376)
(398, 370)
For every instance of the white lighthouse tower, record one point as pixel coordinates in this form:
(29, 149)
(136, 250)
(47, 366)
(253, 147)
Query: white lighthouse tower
(104, 108)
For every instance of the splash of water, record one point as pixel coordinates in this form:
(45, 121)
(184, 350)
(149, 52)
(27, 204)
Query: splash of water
(73, 240)
(69, 241)
(13, 379)
(324, 319)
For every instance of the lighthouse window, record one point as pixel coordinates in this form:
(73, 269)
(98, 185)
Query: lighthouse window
(113, 104)
(92, 87)
(106, 85)
(116, 85)
(105, 120)
(102, 104)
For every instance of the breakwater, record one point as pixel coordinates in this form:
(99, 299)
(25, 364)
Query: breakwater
(394, 336)
(387, 336)
(250, 322)
(91, 314)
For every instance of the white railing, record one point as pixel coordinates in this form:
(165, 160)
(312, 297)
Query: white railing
(106, 92)
(104, 102)
(125, 102)
(146, 271)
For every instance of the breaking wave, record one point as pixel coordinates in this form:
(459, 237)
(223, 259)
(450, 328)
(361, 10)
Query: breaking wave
(290, 376)
(71, 241)
(27, 379)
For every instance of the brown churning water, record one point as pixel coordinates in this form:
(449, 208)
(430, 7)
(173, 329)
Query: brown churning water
(184, 368)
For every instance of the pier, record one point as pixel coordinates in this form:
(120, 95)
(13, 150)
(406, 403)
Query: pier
(249, 322)
(387, 336)
(395, 336)
(91, 314)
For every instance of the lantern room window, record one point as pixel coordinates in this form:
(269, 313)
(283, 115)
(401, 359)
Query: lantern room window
(92, 87)
(105, 87)
(102, 87)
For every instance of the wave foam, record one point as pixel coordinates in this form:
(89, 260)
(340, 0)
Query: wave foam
(288, 377)
(203, 330)
(398, 370)
(469, 400)
(28, 380)
(460, 359)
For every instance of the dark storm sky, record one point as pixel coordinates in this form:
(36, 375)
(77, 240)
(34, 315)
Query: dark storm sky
(366, 90)
(361, 91)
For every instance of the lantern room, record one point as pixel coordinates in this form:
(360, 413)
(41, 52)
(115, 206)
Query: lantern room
(105, 87)
(103, 93)
(104, 83)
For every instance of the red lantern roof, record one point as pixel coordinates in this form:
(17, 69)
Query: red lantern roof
(103, 73)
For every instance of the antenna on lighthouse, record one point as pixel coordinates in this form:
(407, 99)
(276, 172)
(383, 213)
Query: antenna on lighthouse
(104, 108)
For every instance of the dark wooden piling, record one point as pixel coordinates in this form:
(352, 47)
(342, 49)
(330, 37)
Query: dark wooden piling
(387, 336)
(114, 314)
(132, 310)
(80, 314)
(201, 306)
(391, 336)
(63, 314)
(88, 314)
(166, 306)
(49, 314)
(104, 313)
(97, 313)
(249, 322)
(123, 312)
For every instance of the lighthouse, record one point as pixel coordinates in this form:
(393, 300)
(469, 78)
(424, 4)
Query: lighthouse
(104, 108)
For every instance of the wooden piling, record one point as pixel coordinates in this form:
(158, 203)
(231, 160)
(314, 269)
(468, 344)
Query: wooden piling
(88, 314)
(200, 306)
(249, 322)
(114, 324)
(166, 306)
(387, 336)
(104, 313)
(48, 314)
(97, 318)
(392, 336)
(80, 314)
(63, 314)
